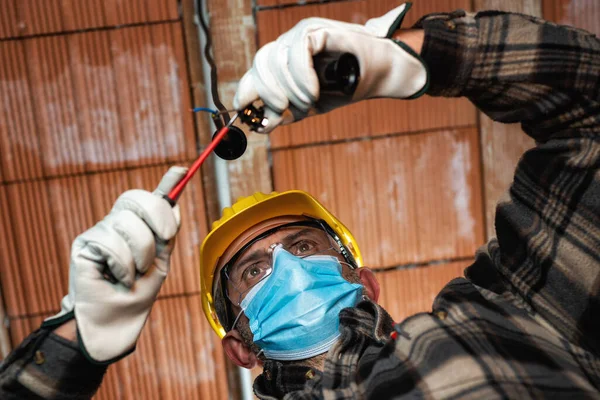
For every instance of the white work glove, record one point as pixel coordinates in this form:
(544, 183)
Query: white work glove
(283, 77)
(134, 242)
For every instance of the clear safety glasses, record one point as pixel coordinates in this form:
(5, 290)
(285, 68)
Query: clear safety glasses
(250, 266)
(246, 268)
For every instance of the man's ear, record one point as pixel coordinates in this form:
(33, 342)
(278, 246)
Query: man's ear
(237, 351)
(367, 277)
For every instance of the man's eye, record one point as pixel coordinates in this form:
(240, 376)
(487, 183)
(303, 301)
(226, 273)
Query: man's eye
(254, 272)
(303, 247)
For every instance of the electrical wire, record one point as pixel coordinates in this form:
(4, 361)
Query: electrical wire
(213, 66)
(210, 110)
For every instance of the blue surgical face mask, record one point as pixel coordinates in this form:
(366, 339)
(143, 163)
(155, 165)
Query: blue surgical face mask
(294, 312)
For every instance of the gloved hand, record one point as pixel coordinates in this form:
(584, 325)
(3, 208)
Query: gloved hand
(283, 77)
(134, 242)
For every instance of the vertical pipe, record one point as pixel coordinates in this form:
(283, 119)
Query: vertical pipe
(5, 346)
(222, 180)
(246, 384)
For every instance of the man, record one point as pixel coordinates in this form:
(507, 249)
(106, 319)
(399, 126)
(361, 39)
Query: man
(282, 278)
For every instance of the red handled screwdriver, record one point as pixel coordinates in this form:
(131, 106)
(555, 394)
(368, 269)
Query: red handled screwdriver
(176, 191)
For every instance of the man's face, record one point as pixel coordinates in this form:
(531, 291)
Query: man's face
(252, 262)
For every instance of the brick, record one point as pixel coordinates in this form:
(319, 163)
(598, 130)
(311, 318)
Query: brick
(407, 199)
(97, 101)
(19, 143)
(530, 7)
(107, 187)
(448, 192)
(13, 296)
(377, 118)
(160, 10)
(408, 291)
(171, 84)
(8, 19)
(270, 3)
(95, 92)
(36, 281)
(425, 113)
(273, 22)
(583, 14)
(35, 17)
(233, 33)
(77, 15)
(55, 104)
(150, 138)
(419, 8)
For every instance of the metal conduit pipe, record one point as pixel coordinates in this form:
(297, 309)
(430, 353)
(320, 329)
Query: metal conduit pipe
(221, 178)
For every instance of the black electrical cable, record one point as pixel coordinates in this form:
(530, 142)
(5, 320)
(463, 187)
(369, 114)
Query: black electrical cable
(213, 68)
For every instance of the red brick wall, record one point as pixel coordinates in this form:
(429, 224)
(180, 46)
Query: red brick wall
(89, 109)
(93, 100)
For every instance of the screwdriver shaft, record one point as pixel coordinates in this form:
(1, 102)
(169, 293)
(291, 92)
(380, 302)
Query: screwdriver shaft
(174, 194)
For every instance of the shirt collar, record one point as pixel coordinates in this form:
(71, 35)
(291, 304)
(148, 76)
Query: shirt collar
(360, 326)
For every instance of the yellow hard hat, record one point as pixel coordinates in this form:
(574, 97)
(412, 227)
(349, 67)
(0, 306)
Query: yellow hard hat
(244, 214)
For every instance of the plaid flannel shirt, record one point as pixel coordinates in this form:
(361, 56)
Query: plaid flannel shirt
(524, 322)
